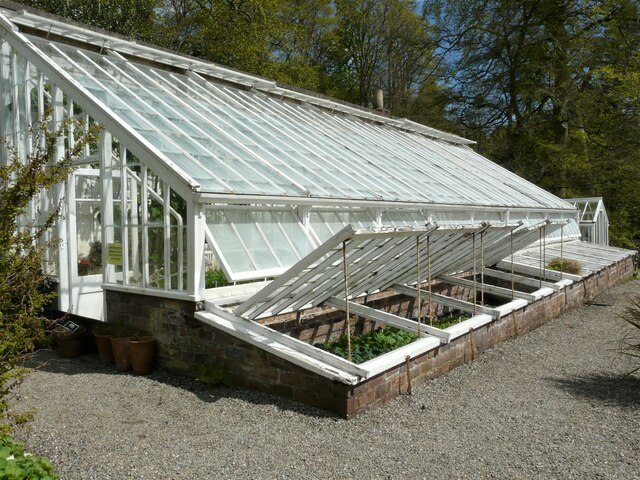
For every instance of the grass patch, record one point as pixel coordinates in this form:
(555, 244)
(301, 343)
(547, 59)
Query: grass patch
(564, 265)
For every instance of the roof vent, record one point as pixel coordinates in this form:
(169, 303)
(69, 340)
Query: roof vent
(378, 100)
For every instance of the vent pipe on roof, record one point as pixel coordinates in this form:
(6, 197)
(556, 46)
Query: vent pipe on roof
(378, 100)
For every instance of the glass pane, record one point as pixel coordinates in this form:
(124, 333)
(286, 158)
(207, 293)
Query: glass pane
(254, 241)
(89, 238)
(156, 256)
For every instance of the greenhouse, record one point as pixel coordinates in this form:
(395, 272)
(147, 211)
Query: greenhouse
(305, 207)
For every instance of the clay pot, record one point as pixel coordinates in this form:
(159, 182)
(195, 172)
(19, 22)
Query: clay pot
(105, 350)
(120, 346)
(142, 352)
(69, 345)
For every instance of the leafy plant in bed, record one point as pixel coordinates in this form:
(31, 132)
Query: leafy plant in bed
(450, 319)
(369, 345)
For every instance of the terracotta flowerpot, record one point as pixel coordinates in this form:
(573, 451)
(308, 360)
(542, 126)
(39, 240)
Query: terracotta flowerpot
(121, 355)
(105, 350)
(69, 345)
(142, 352)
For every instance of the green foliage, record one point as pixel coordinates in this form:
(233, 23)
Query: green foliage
(210, 375)
(16, 464)
(564, 265)
(369, 345)
(23, 274)
(631, 342)
(214, 278)
(446, 321)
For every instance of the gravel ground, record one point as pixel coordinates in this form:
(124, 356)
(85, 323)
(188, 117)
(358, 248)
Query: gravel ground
(552, 404)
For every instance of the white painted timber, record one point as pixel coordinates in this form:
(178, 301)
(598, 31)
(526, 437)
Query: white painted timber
(522, 280)
(265, 294)
(533, 271)
(507, 308)
(389, 319)
(397, 357)
(492, 289)
(448, 301)
(290, 349)
(462, 328)
(542, 292)
(564, 283)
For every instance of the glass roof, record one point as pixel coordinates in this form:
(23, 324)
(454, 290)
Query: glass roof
(234, 141)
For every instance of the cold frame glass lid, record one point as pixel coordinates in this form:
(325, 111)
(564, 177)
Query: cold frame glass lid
(251, 244)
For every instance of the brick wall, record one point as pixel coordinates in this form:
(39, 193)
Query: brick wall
(190, 347)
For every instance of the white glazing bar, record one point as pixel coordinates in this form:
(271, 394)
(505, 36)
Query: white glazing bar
(134, 229)
(195, 248)
(166, 223)
(366, 166)
(352, 144)
(197, 129)
(5, 78)
(133, 94)
(72, 126)
(15, 117)
(268, 244)
(180, 235)
(145, 216)
(198, 88)
(124, 213)
(182, 182)
(223, 132)
(488, 187)
(321, 144)
(396, 152)
(64, 280)
(106, 203)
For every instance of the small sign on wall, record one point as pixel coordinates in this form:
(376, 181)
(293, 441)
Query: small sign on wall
(114, 253)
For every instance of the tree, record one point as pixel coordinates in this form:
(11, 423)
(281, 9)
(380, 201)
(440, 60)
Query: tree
(130, 18)
(23, 243)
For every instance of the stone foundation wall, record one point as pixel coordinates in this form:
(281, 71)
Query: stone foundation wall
(190, 347)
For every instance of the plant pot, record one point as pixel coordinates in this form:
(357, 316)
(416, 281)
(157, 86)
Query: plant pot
(69, 345)
(105, 350)
(120, 346)
(142, 352)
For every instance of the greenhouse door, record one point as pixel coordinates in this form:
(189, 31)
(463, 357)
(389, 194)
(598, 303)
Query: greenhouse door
(85, 244)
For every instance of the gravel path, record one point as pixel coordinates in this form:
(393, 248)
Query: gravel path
(552, 404)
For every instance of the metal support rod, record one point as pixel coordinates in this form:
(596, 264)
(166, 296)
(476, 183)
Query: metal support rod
(418, 299)
(346, 296)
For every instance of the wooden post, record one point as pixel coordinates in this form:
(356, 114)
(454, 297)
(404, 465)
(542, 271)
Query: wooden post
(346, 296)
(408, 364)
(429, 277)
(418, 299)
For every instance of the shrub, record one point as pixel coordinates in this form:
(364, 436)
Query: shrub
(23, 272)
(564, 265)
(214, 278)
(16, 464)
(631, 341)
